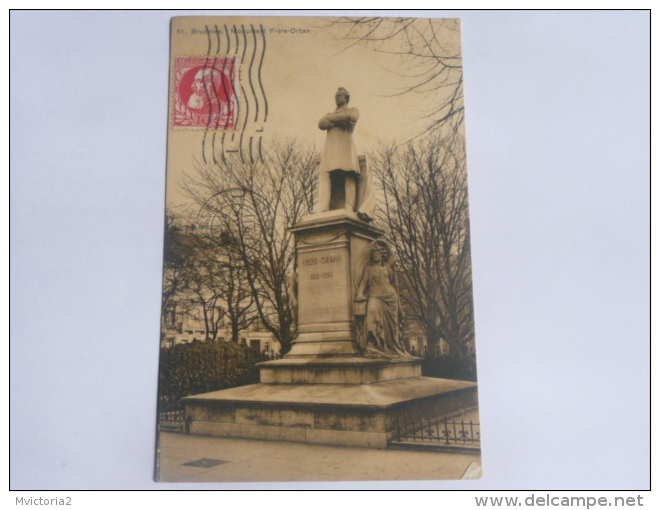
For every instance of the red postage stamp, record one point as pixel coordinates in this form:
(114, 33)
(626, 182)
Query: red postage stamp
(204, 93)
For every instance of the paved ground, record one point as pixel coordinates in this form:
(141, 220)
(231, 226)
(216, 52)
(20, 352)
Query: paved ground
(250, 460)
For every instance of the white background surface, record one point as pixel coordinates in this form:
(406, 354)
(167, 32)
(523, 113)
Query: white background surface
(557, 109)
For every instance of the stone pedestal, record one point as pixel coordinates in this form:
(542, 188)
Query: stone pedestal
(323, 391)
(301, 403)
(328, 246)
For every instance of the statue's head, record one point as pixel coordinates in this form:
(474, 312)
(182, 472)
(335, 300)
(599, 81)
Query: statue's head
(342, 96)
(206, 81)
(380, 252)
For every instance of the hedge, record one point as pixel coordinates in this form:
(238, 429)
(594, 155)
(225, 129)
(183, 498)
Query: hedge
(201, 367)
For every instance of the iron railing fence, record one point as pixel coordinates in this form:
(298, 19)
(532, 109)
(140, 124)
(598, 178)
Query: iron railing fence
(172, 420)
(439, 430)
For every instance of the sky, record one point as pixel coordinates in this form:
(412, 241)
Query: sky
(304, 63)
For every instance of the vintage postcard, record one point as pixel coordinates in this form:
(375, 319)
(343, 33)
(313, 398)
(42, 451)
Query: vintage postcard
(317, 314)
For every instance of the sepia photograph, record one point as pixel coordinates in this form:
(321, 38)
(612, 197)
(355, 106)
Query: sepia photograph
(338, 250)
(317, 313)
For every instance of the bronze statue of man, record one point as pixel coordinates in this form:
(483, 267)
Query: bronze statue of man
(339, 152)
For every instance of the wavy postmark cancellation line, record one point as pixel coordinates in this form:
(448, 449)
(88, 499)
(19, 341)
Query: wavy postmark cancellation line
(205, 93)
(221, 92)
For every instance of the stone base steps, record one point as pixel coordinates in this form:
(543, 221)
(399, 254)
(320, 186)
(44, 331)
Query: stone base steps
(433, 447)
(332, 414)
(171, 427)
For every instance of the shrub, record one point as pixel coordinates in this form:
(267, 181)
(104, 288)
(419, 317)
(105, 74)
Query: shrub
(201, 367)
(448, 367)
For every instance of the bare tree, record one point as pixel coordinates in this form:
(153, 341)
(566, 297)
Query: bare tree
(425, 208)
(224, 287)
(252, 205)
(426, 52)
(205, 300)
(203, 280)
(178, 260)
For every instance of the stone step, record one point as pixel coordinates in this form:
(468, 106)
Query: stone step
(354, 370)
(336, 414)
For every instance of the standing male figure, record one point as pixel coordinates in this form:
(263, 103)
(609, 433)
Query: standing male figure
(339, 152)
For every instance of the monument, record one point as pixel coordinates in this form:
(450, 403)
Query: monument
(348, 377)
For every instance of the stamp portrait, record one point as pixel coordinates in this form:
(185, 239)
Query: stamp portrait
(204, 93)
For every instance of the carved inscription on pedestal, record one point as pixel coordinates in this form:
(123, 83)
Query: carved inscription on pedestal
(323, 286)
(322, 273)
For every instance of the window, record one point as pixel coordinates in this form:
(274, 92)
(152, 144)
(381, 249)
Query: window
(170, 318)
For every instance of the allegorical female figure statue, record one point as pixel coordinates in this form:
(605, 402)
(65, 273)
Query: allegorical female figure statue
(380, 326)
